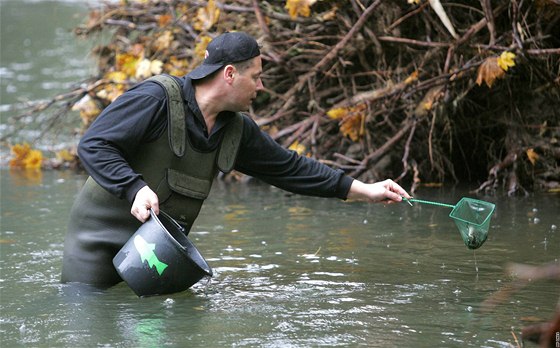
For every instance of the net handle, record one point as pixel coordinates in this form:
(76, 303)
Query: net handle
(428, 202)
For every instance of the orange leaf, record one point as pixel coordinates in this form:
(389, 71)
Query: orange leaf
(532, 156)
(411, 78)
(164, 20)
(489, 71)
(299, 7)
(352, 120)
(352, 127)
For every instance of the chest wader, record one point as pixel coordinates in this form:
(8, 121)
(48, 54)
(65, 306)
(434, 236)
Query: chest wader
(181, 176)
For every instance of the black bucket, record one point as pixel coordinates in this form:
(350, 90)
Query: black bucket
(160, 259)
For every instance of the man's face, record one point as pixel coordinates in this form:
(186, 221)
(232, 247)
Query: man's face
(247, 83)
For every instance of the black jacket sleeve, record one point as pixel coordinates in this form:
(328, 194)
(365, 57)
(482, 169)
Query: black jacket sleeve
(136, 117)
(261, 157)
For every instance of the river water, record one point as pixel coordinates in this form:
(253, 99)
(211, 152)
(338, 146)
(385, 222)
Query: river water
(289, 271)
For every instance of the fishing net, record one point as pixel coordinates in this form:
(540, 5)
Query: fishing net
(471, 216)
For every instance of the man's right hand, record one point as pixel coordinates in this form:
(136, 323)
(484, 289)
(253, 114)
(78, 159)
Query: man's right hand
(145, 200)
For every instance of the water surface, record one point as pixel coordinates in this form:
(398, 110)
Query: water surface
(289, 271)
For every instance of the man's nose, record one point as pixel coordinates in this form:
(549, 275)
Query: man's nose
(260, 85)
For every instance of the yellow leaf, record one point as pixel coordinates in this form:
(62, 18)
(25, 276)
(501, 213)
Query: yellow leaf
(25, 157)
(489, 71)
(206, 17)
(506, 60)
(111, 92)
(200, 47)
(116, 76)
(299, 7)
(33, 160)
(127, 63)
(337, 113)
(415, 2)
(297, 147)
(19, 152)
(65, 156)
(532, 156)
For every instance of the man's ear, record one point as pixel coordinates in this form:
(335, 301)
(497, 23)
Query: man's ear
(229, 73)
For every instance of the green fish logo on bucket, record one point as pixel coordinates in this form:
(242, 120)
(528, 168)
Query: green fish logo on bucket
(146, 251)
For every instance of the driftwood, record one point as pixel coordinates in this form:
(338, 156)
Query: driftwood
(402, 77)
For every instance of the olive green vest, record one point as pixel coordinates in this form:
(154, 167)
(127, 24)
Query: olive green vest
(180, 175)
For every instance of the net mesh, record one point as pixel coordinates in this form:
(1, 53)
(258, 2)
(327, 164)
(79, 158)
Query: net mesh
(472, 218)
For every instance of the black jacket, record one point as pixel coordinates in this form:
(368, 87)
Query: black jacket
(140, 116)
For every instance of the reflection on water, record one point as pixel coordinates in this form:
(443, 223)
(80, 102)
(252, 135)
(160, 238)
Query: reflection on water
(289, 271)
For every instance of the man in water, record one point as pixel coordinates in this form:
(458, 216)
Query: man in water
(141, 156)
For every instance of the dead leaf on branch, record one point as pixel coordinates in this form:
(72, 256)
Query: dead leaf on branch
(111, 91)
(128, 62)
(164, 40)
(88, 110)
(164, 20)
(489, 71)
(494, 68)
(299, 8)
(200, 48)
(352, 124)
(25, 157)
(532, 156)
(206, 17)
(427, 103)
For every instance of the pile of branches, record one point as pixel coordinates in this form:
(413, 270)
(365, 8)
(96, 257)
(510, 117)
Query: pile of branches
(421, 91)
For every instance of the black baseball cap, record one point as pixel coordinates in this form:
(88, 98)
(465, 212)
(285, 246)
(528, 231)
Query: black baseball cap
(227, 48)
